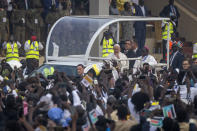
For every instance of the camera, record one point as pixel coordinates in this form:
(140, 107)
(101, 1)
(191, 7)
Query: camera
(142, 77)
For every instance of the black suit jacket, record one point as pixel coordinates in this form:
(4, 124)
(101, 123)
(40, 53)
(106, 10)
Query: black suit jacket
(140, 24)
(177, 61)
(132, 54)
(166, 12)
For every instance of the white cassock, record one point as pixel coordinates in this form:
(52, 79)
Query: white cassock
(122, 64)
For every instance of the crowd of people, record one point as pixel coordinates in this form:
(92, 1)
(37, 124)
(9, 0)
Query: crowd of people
(115, 95)
(22, 18)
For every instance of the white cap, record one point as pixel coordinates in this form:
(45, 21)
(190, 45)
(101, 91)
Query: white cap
(117, 45)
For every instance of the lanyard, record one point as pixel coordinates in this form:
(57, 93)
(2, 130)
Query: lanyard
(173, 10)
(171, 60)
(184, 78)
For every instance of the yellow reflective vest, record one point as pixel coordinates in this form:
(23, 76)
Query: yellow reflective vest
(12, 53)
(48, 71)
(107, 47)
(33, 51)
(120, 4)
(194, 50)
(165, 31)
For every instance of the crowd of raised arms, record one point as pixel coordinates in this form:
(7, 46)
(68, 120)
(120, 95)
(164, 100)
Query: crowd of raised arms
(106, 97)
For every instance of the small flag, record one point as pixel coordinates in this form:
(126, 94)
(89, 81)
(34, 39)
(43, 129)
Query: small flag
(156, 121)
(87, 81)
(169, 111)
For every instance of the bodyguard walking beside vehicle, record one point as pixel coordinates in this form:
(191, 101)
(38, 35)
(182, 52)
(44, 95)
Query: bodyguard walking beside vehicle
(32, 48)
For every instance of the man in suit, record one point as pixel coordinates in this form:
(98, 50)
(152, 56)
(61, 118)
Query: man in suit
(176, 58)
(172, 11)
(140, 26)
(132, 51)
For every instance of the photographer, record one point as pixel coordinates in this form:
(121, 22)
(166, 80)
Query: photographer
(145, 58)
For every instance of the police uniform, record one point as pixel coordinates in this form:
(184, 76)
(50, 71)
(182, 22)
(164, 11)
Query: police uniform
(18, 21)
(36, 4)
(32, 54)
(63, 13)
(34, 23)
(51, 18)
(4, 26)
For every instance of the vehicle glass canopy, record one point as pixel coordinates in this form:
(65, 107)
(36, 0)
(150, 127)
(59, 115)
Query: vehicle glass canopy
(71, 35)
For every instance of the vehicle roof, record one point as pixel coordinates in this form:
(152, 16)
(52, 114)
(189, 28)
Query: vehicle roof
(71, 63)
(76, 35)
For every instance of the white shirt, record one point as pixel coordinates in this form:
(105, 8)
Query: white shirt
(123, 64)
(143, 10)
(135, 50)
(132, 110)
(12, 44)
(27, 46)
(76, 98)
(147, 59)
(135, 1)
(9, 5)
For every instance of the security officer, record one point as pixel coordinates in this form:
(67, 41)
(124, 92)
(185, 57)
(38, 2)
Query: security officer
(35, 18)
(194, 50)
(165, 25)
(12, 49)
(34, 22)
(66, 7)
(4, 26)
(18, 21)
(52, 17)
(35, 4)
(48, 71)
(32, 48)
(107, 43)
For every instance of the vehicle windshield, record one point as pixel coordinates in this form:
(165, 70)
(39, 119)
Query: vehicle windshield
(71, 35)
(69, 70)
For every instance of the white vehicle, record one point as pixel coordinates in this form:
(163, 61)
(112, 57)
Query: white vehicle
(76, 40)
